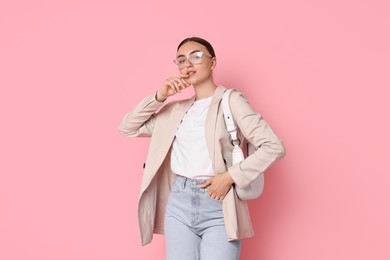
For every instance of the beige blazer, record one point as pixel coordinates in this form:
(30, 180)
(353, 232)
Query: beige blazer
(144, 120)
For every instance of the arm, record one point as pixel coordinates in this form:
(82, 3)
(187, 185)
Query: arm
(140, 121)
(269, 148)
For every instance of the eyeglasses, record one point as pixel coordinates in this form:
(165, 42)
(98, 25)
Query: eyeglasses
(194, 57)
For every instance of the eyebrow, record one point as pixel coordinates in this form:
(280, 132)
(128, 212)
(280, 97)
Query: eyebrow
(182, 55)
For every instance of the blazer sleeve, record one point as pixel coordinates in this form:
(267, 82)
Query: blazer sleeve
(140, 121)
(269, 148)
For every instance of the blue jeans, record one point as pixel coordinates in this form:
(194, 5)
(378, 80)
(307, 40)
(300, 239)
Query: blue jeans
(194, 225)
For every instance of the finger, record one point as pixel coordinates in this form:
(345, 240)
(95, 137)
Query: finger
(216, 197)
(180, 83)
(183, 77)
(186, 84)
(174, 85)
(171, 86)
(205, 184)
(211, 194)
(219, 197)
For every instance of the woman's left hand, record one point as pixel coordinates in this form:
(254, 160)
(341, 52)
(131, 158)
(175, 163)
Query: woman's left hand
(219, 185)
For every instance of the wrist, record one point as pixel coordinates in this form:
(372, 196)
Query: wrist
(159, 98)
(229, 177)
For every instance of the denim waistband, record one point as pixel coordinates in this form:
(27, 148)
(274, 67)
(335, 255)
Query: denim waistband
(186, 182)
(197, 181)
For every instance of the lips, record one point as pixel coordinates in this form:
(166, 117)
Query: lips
(190, 73)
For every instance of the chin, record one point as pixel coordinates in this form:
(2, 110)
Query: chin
(192, 81)
(196, 81)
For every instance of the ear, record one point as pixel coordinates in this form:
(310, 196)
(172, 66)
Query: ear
(213, 63)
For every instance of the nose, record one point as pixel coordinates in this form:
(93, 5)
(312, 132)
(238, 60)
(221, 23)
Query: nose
(188, 63)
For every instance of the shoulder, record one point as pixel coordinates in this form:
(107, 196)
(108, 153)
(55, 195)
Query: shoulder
(240, 106)
(237, 97)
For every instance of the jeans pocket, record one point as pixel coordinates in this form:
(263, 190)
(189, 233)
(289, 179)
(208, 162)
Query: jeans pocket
(206, 190)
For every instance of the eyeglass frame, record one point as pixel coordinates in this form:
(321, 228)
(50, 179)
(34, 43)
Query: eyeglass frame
(188, 58)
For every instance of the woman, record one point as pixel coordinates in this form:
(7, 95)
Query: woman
(187, 190)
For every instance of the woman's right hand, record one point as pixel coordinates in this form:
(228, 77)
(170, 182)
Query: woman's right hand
(172, 86)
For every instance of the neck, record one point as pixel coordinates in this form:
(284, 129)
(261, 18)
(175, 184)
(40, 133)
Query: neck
(205, 89)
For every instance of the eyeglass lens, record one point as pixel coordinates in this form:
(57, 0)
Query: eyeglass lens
(194, 58)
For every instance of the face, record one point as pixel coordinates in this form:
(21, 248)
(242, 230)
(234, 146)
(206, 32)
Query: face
(201, 71)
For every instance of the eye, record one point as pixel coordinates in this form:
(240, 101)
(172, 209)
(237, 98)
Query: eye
(197, 55)
(181, 61)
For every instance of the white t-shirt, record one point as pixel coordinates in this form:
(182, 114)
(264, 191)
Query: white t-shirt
(190, 156)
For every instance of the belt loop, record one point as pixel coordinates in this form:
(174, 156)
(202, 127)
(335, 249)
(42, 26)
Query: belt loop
(184, 183)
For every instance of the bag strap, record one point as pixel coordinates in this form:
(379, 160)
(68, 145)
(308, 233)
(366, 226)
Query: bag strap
(229, 120)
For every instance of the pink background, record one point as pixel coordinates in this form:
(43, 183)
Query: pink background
(318, 71)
